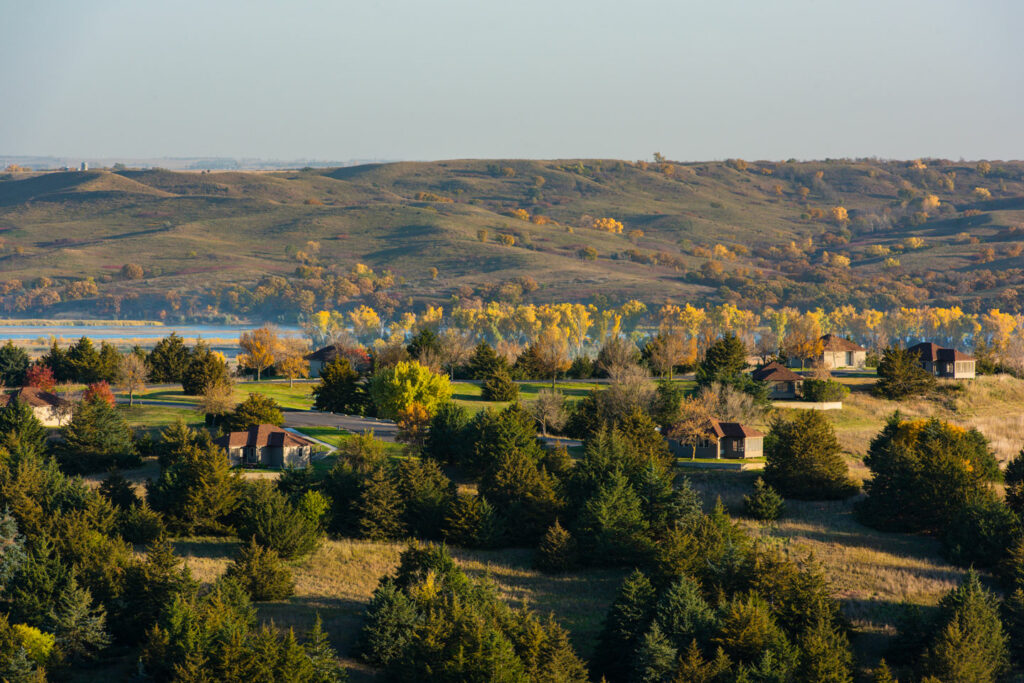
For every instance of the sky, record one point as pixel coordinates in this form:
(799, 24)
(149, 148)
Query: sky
(413, 79)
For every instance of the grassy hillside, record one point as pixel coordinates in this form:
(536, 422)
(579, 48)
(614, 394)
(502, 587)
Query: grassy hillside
(196, 235)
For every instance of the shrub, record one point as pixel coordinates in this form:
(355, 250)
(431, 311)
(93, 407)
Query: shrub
(500, 387)
(253, 411)
(764, 503)
(261, 573)
(824, 390)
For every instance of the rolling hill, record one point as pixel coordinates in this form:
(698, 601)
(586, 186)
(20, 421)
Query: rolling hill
(236, 244)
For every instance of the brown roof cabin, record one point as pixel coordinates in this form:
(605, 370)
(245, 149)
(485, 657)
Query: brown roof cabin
(943, 362)
(267, 445)
(782, 382)
(837, 353)
(49, 408)
(723, 440)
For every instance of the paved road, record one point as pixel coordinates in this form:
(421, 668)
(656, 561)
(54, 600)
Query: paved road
(385, 430)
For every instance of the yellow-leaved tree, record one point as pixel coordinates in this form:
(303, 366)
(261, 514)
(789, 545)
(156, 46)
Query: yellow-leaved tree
(259, 347)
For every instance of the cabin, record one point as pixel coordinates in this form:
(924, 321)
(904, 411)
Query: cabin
(723, 440)
(321, 357)
(49, 408)
(782, 382)
(837, 353)
(267, 445)
(943, 362)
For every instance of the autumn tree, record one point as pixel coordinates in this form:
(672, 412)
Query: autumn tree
(396, 388)
(551, 353)
(665, 351)
(259, 349)
(133, 375)
(290, 359)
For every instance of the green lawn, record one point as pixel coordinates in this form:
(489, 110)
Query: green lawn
(157, 417)
(338, 437)
(297, 397)
(467, 394)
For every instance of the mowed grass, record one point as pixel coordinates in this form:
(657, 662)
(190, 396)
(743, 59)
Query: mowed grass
(338, 580)
(297, 397)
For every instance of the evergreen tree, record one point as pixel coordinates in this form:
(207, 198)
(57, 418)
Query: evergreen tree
(655, 657)
(472, 522)
(36, 583)
(825, 655)
(256, 410)
(980, 533)
(57, 360)
(500, 387)
(694, 668)
(322, 657)
(391, 618)
(14, 363)
(747, 630)
(149, 587)
(628, 618)
(119, 491)
(1013, 476)
(447, 441)
(84, 361)
(339, 389)
(611, 527)
(261, 573)
(724, 361)
(764, 503)
(804, 458)
(108, 364)
(267, 517)
(12, 548)
(900, 375)
(79, 626)
(683, 614)
(557, 550)
(523, 494)
(293, 665)
(20, 428)
(198, 490)
(204, 369)
(970, 645)
(168, 359)
(426, 496)
(485, 362)
(380, 507)
(882, 674)
(97, 438)
(141, 524)
(424, 341)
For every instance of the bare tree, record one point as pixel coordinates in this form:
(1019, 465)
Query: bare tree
(617, 353)
(456, 348)
(549, 410)
(217, 399)
(429, 358)
(133, 373)
(767, 346)
(667, 350)
(629, 388)
(509, 350)
(730, 404)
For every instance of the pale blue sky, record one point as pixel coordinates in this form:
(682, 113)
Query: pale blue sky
(411, 79)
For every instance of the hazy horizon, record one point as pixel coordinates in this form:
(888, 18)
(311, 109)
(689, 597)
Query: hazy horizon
(330, 81)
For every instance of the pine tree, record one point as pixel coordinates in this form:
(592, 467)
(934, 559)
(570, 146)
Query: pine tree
(723, 361)
(293, 665)
(427, 495)
(764, 503)
(557, 662)
(611, 526)
(882, 674)
(523, 494)
(322, 657)
(256, 410)
(167, 360)
(655, 657)
(683, 614)
(97, 438)
(20, 428)
(499, 387)
(389, 627)
(694, 668)
(119, 491)
(80, 628)
(825, 655)
(84, 361)
(472, 522)
(628, 618)
(446, 440)
(557, 550)
(13, 364)
(149, 587)
(380, 507)
(485, 362)
(260, 572)
(12, 548)
(36, 583)
(204, 368)
(268, 517)
(804, 458)
(971, 644)
(747, 631)
(900, 375)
